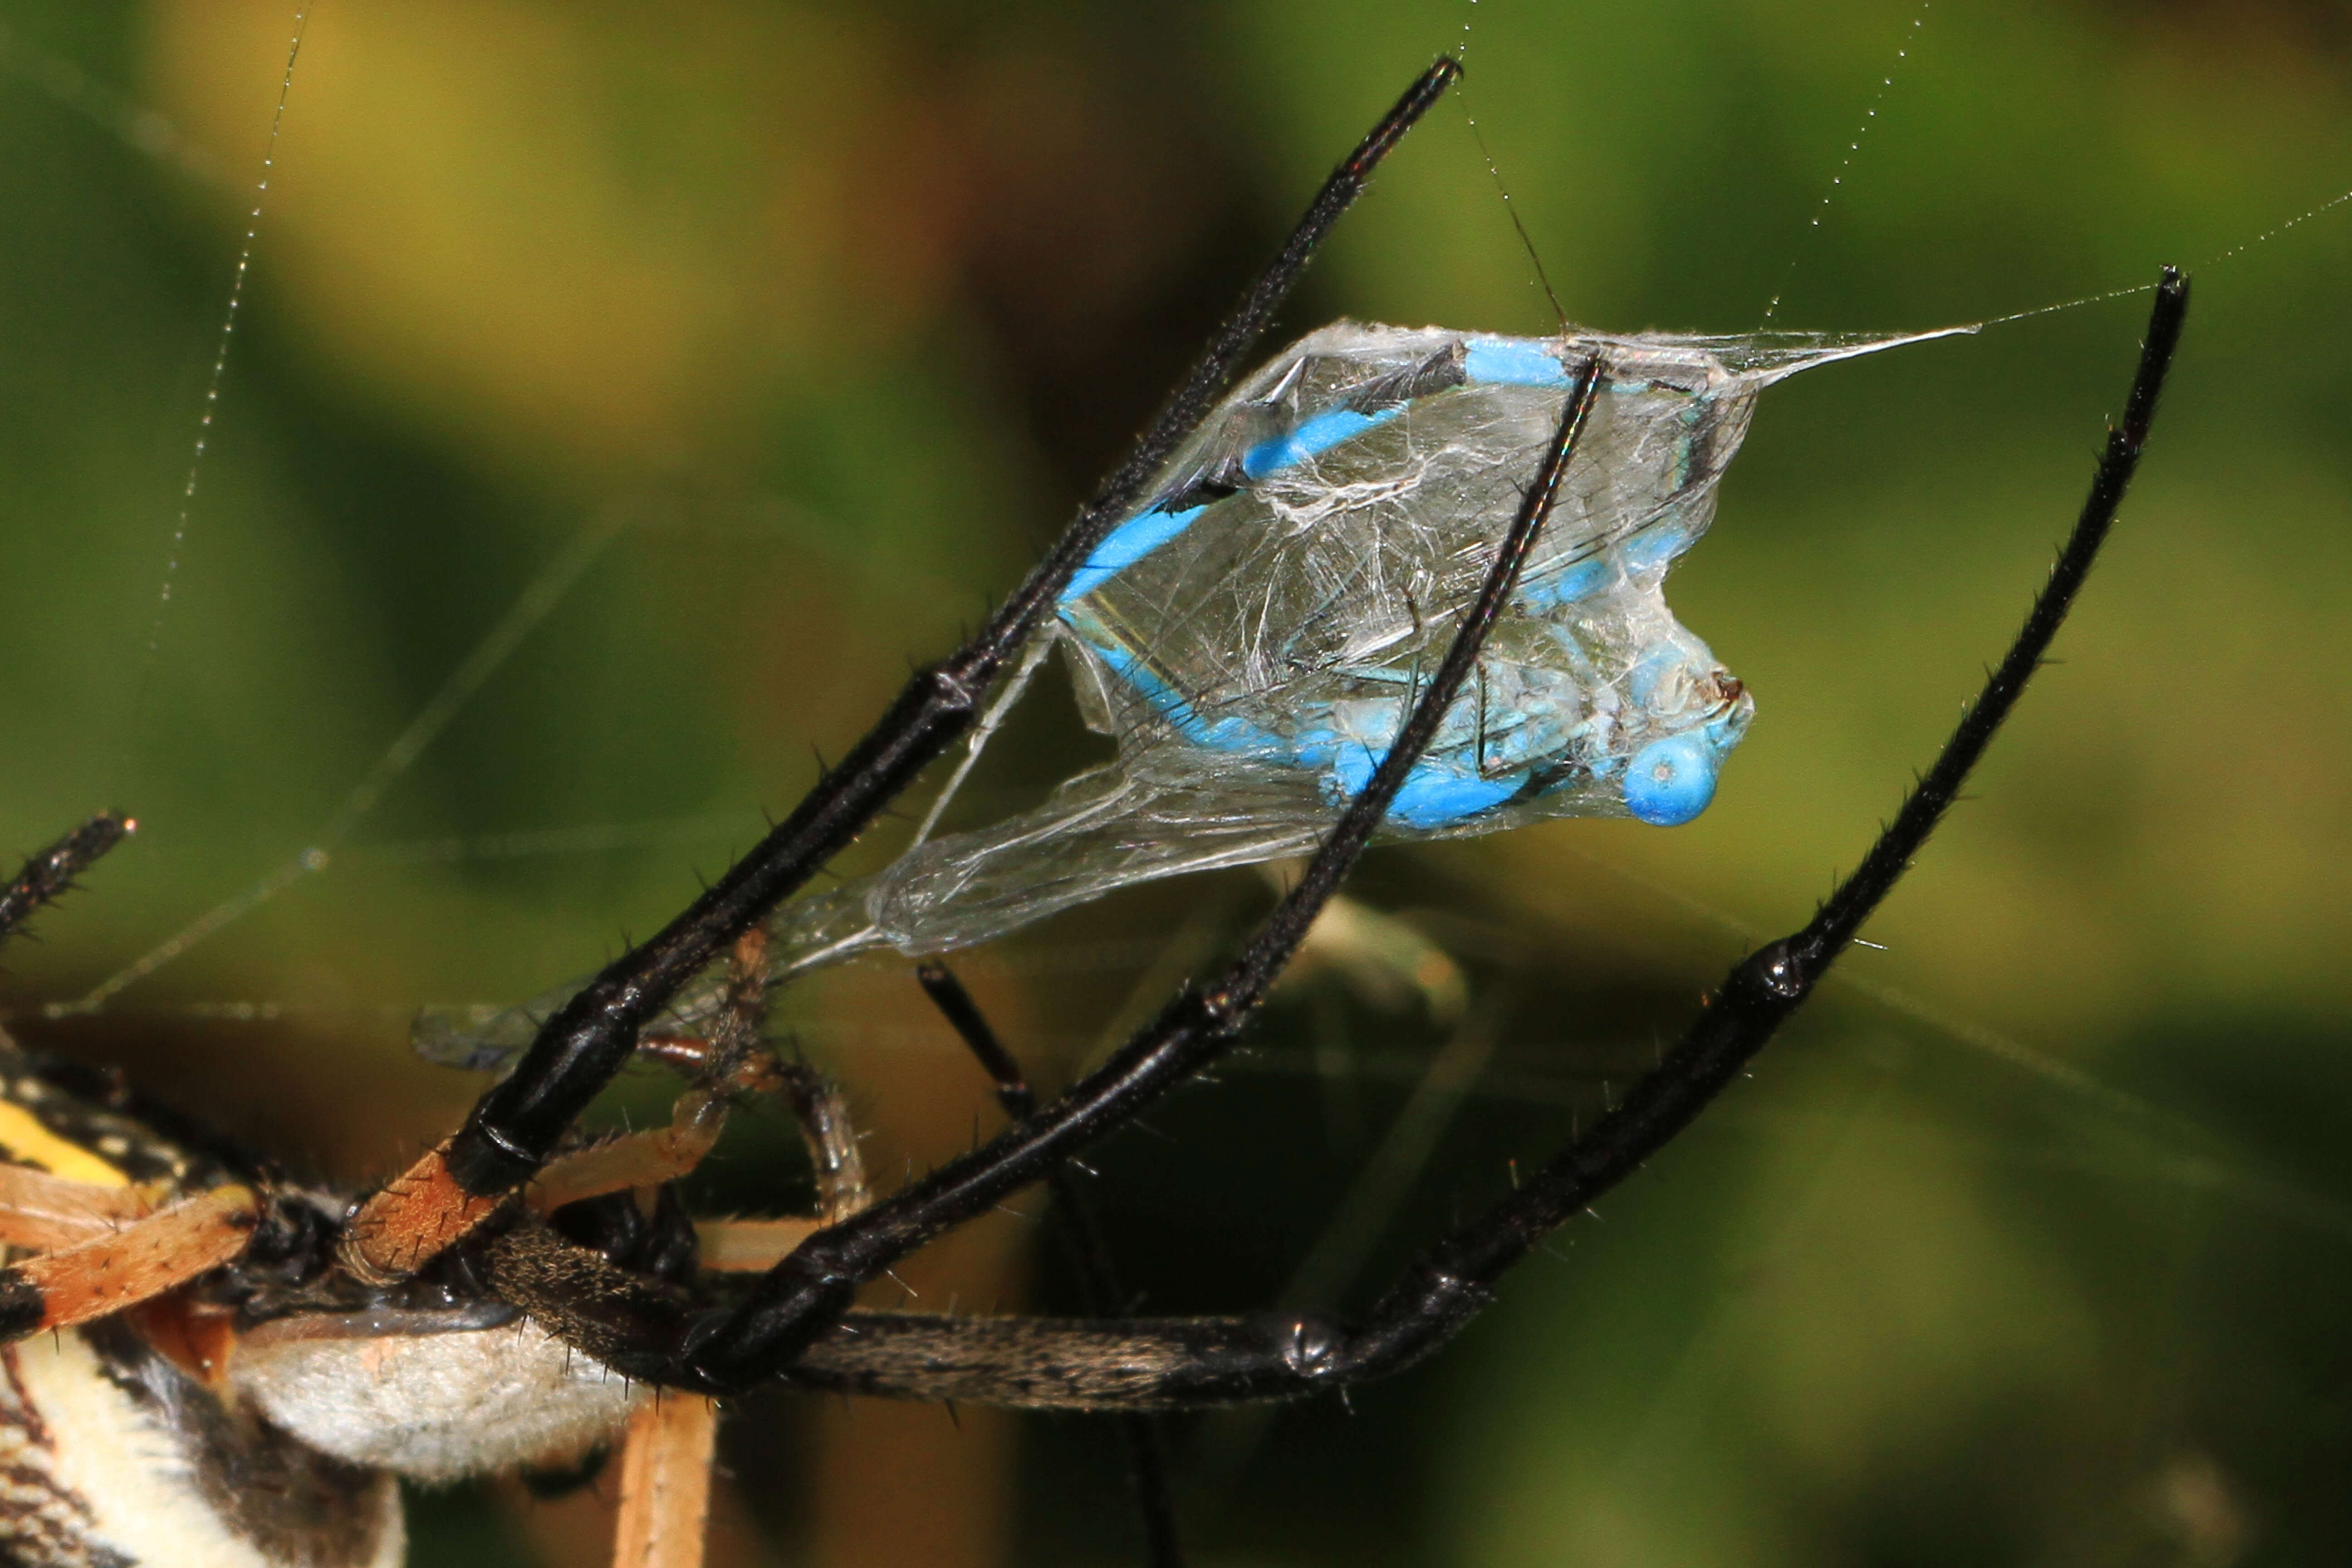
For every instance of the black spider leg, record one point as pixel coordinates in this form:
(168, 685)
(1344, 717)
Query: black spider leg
(1089, 1255)
(1480, 753)
(1176, 1362)
(514, 1126)
(808, 1292)
(51, 873)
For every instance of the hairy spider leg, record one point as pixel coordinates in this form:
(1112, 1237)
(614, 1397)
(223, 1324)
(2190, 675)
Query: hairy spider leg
(811, 1291)
(1089, 1255)
(142, 1260)
(1089, 1250)
(515, 1127)
(1180, 1362)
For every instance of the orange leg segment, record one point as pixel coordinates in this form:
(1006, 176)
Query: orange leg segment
(141, 1260)
(420, 1212)
(638, 1160)
(666, 1482)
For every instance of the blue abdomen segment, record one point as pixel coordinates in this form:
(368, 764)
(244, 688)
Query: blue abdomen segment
(1227, 733)
(1312, 438)
(1433, 795)
(1485, 362)
(1147, 530)
(1125, 545)
(1512, 362)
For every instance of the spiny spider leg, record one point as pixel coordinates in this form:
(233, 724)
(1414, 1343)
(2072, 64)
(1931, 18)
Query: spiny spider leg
(808, 1293)
(51, 872)
(514, 1128)
(125, 1267)
(1175, 1362)
(1090, 1253)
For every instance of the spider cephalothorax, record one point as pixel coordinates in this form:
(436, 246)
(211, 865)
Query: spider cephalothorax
(519, 1296)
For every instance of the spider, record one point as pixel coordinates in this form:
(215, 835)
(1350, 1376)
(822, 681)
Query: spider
(521, 1295)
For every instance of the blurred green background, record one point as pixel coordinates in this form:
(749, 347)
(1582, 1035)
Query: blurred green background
(732, 358)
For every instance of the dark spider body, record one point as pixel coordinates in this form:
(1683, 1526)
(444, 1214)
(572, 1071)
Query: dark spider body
(517, 1295)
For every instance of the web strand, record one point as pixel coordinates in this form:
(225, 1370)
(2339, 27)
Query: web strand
(2268, 235)
(1542, 278)
(186, 517)
(533, 604)
(2217, 259)
(1852, 151)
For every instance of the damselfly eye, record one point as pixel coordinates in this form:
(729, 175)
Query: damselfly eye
(1670, 782)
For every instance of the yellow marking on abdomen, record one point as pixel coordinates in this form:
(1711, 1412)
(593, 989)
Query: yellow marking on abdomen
(27, 1142)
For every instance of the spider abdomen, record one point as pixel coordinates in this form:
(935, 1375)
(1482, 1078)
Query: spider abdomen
(431, 1400)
